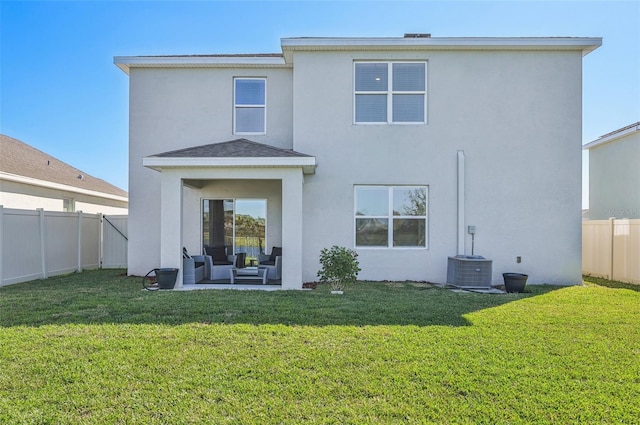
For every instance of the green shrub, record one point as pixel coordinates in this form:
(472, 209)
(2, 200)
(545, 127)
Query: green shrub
(339, 266)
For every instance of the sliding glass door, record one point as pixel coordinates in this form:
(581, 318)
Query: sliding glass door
(239, 224)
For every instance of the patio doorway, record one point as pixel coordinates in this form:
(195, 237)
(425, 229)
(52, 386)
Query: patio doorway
(237, 223)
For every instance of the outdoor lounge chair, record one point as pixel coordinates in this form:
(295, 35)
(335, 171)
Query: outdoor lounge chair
(222, 262)
(194, 267)
(273, 263)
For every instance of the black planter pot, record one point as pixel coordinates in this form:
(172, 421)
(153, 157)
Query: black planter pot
(166, 278)
(514, 282)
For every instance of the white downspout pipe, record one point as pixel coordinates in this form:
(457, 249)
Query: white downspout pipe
(461, 234)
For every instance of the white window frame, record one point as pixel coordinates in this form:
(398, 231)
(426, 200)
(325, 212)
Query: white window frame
(236, 106)
(390, 217)
(233, 230)
(68, 205)
(389, 93)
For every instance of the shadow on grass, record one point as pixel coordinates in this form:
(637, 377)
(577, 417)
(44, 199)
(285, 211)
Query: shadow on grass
(108, 296)
(611, 283)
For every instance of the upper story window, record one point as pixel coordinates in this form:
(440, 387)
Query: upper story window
(249, 105)
(390, 92)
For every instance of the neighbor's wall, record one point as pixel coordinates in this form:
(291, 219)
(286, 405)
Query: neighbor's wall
(516, 116)
(614, 178)
(30, 197)
(179, 108)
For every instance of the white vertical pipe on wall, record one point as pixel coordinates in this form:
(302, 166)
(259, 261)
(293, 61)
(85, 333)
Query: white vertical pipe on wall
(461, 210)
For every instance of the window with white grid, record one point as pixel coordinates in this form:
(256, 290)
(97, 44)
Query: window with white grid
(390, 92)
(390, 216)
(250, 105)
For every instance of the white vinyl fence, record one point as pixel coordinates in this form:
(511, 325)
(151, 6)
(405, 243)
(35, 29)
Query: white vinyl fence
(38, 244)
(611, 249)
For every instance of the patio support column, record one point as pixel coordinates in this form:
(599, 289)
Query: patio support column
(171, 222)
(292, 183)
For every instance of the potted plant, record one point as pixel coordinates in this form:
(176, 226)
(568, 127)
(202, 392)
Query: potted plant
(339, 267)
(514, 282)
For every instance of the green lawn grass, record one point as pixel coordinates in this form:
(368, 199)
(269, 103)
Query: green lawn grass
(95, 348)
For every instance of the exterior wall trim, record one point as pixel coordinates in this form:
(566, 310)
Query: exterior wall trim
(585, 44)
(308, 164)
(611, 137)
(125, 63)
(51, 185)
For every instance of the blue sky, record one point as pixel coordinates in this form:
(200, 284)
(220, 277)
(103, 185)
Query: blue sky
(61, 93)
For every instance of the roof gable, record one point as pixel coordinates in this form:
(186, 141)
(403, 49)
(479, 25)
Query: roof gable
(239, 148)
(239, 153)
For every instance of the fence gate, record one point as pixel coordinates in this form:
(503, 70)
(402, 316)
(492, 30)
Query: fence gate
(114, 241)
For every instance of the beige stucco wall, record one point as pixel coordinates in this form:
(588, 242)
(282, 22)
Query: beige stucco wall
(614, 178)
(29, 197)
(516, 116)
(179, 108)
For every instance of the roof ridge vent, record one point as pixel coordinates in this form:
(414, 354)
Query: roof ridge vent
(417, 35)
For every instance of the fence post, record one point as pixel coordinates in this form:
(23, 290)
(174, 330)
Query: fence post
(79, 215)
(611, 241)
(1, 243)
(100, 240)
(43, 253)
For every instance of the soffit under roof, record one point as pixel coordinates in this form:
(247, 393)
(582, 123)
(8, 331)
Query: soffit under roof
(289, 45)
(584, 44)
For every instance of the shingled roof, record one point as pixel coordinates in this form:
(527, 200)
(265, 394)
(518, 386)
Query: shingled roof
(20, 159)
(239, 148)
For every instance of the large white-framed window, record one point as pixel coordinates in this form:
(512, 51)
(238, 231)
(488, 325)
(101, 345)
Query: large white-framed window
(249, 105)
(390, 92)
(391, 216)
(239, 224)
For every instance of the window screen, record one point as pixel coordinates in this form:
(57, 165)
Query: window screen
(250, 105)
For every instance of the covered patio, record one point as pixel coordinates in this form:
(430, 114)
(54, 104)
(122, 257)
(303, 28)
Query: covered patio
(234, 169)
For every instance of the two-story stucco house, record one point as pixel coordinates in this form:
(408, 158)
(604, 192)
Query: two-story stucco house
(614, 174)
(390, 146)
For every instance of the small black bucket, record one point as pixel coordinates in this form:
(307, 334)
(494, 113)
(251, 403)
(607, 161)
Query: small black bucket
(166, 278)
(514, 282)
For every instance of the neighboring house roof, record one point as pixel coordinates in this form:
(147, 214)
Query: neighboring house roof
(614, 135)
(26, 164)
(236, 153)
(409, 42)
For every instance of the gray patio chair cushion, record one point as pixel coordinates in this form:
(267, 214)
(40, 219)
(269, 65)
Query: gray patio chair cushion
(219, 255)
(276, 251)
